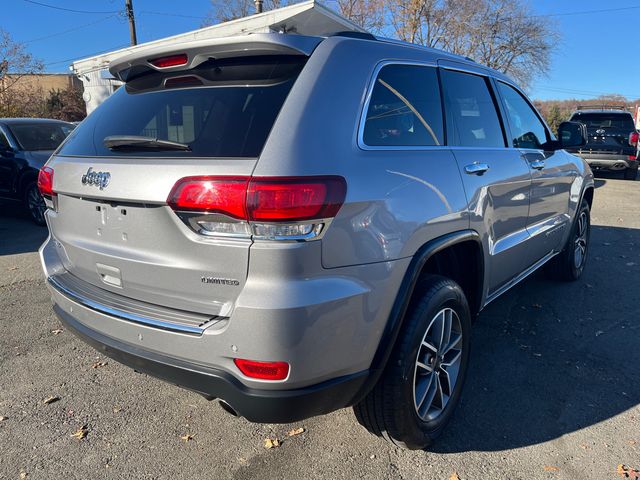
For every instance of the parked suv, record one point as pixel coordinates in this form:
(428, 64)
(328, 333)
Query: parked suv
(612, 139)
(25, 146)
(295, 224)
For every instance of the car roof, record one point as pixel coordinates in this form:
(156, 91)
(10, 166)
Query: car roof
(31, 121)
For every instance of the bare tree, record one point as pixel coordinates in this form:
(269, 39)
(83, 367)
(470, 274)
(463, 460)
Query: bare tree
(15, 60)
(502, 34)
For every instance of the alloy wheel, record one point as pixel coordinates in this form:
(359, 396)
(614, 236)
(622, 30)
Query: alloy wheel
(437, 365)
(580, 244)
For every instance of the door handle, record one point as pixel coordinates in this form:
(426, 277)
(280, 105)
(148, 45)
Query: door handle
(476, 168)
(537, 164)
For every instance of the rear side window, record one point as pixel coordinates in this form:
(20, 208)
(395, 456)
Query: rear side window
(223, 108)
(40, 136)
(472, 118)
(405, 108)
(607, 121)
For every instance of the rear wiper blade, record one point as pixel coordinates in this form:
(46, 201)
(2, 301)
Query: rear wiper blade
(135, 142)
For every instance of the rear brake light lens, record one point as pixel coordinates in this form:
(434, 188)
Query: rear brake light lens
(263, 370)
(273, 208)
(45, 181)
(225, 195)
(294, 199)
(170, 61)
(633, 139)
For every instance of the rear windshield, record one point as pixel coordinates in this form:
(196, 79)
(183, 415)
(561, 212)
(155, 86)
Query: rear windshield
(40, 136)
(223, 108)
(613, 121)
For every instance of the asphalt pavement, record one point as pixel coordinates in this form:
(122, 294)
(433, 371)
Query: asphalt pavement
(553, 390)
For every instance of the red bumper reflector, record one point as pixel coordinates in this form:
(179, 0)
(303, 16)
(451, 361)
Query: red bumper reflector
(263, 370)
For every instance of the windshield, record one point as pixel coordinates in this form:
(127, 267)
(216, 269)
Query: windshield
(620, 121)
(223, 108)
(40, 136)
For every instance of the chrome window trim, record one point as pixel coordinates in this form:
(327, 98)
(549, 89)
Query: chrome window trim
(5, 131)
(365, 108)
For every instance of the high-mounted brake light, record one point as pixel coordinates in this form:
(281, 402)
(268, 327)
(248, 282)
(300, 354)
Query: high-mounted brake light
(170, 61)
(278, 208)
(263, 370)
(633, 139)
(45, 182)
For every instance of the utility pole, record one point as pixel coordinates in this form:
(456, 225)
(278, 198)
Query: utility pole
(258, 6)
(132, 22)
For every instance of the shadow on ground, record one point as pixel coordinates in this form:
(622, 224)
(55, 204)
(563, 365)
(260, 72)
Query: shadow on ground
(18, 234)
(551, 358)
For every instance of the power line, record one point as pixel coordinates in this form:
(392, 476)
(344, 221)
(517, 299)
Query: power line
(584, 92)
(77, 57)
(79, 27)
(148, 12)
(55, 7)
(587, 12)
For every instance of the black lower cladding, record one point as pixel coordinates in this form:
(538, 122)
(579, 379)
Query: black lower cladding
(264, 406)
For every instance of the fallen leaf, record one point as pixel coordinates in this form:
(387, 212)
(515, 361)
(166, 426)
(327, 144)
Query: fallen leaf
(11, 269)
(295, 431)
(628, 472)
(630, 442)
(186, 437)
(51, 399)
(23, 474)
(98, 364)
(536, 305)
(454, 476)
(271, 443)
(584, 446)
(81, 432)
(599, 332)
(57, 331)
(2, 419)
(117, 409)
(550, 468)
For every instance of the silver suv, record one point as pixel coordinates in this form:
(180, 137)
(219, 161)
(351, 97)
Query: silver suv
(295, 224)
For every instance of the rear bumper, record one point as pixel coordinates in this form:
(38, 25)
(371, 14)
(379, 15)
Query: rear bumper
(265, 406)
(601, 161)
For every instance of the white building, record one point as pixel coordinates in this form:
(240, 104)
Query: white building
(307, 18)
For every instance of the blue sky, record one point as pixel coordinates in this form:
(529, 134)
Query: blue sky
(597, 54)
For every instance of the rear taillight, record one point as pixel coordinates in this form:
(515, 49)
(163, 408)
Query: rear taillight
(277, 208)
(45, 182)
(170, 61)
(633, 139)
(263, 370)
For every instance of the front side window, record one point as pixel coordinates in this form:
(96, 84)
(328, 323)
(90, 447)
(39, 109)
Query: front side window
(527, 129)
(405, 108)
(472, 118)
(4, 143)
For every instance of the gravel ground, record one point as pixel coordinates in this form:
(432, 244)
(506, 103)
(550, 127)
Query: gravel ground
(552, 392)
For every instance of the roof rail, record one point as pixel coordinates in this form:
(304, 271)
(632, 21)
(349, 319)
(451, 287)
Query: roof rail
(603, 106)
(351, 34)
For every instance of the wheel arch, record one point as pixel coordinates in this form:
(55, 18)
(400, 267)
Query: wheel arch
(428, 257)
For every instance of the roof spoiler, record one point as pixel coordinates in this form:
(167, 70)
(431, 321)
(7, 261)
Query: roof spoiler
(192, 54)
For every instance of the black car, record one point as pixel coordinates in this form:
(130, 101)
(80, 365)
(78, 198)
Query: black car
(25, 145)
(612, 139)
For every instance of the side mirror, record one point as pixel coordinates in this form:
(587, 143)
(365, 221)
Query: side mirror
(571, 135)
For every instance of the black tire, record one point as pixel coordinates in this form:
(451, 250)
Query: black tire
(565, 265)
(389, 410)
(35, 204)
(631, 173)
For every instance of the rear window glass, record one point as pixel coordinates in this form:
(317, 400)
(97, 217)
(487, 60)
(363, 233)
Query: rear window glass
(40, 136)
(223, 108)
(613, 121)
(405, 108)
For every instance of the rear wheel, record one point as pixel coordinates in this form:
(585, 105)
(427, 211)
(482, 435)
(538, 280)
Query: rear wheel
(35, 203)
(420, 388)
(631, 173)
(569, 264)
